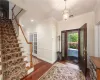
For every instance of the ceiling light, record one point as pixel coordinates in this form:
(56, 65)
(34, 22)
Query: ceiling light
(65, 12)
(32, 20)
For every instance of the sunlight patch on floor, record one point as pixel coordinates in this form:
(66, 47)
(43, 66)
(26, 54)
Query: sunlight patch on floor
(73, 65)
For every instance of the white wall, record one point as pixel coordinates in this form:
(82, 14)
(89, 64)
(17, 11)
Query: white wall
(97, 28)
(26, 47)
(77, 22)
(97, 12)
(46, 40)
(97, 40)
(47, 29)
(11, 5)
(16, 10)
(46, 37)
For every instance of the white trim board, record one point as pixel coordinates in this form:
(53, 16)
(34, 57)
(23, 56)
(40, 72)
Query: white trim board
(97, 40)
(45, 60)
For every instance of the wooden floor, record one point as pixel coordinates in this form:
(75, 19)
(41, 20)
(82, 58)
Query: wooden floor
(40, 69)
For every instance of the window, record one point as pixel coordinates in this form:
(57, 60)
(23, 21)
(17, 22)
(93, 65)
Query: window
(35, 43)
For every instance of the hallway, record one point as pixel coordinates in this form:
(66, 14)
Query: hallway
(38, 28)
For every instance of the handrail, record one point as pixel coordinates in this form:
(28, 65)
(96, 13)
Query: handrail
(30, 43)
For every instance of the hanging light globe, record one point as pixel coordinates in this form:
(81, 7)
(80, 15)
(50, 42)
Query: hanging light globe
(66, 14)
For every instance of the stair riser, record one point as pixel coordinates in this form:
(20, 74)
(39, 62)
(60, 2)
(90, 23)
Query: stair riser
(11, 63)
(14, 71)
(10, 51)
(7, 29)
(8, 57)
(9, 41)
(8, 37)
(8, 34)
(11, 46)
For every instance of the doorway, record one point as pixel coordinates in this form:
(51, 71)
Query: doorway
(70, 45)
(80, 46)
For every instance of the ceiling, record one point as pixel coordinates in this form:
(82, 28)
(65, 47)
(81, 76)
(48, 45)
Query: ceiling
(42, 9)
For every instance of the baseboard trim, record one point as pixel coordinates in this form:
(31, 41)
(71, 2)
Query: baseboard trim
(45, 60)
(34, 55)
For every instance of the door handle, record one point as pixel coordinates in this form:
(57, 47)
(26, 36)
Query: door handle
(84, 52)
(85, 49)
(84, 55)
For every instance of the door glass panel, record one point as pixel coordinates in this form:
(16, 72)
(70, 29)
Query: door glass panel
(72, 44)
(63, 43)
(81, 43)
(35, 43)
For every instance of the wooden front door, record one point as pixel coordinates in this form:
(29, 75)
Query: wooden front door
(83, 48)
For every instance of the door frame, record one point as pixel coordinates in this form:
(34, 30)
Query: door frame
(79, 54)
(66, 42)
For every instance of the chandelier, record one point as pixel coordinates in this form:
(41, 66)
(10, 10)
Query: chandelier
(65, 12)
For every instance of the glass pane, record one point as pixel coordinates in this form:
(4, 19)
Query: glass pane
(81, 42)
(63, 43)
(35, 43)
(72, 52)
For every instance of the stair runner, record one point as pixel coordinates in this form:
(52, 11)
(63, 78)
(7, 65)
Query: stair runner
(12, 61)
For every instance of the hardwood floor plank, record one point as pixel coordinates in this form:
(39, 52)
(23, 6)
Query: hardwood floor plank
(40, 69)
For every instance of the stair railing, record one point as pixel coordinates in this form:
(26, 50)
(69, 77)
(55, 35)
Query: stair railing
(20, 27)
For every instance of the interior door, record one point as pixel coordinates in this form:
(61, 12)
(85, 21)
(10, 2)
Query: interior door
(83, 48)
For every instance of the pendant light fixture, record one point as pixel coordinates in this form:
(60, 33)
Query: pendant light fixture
(65, 12)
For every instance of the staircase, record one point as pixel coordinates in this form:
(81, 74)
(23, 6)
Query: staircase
(12, 64)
